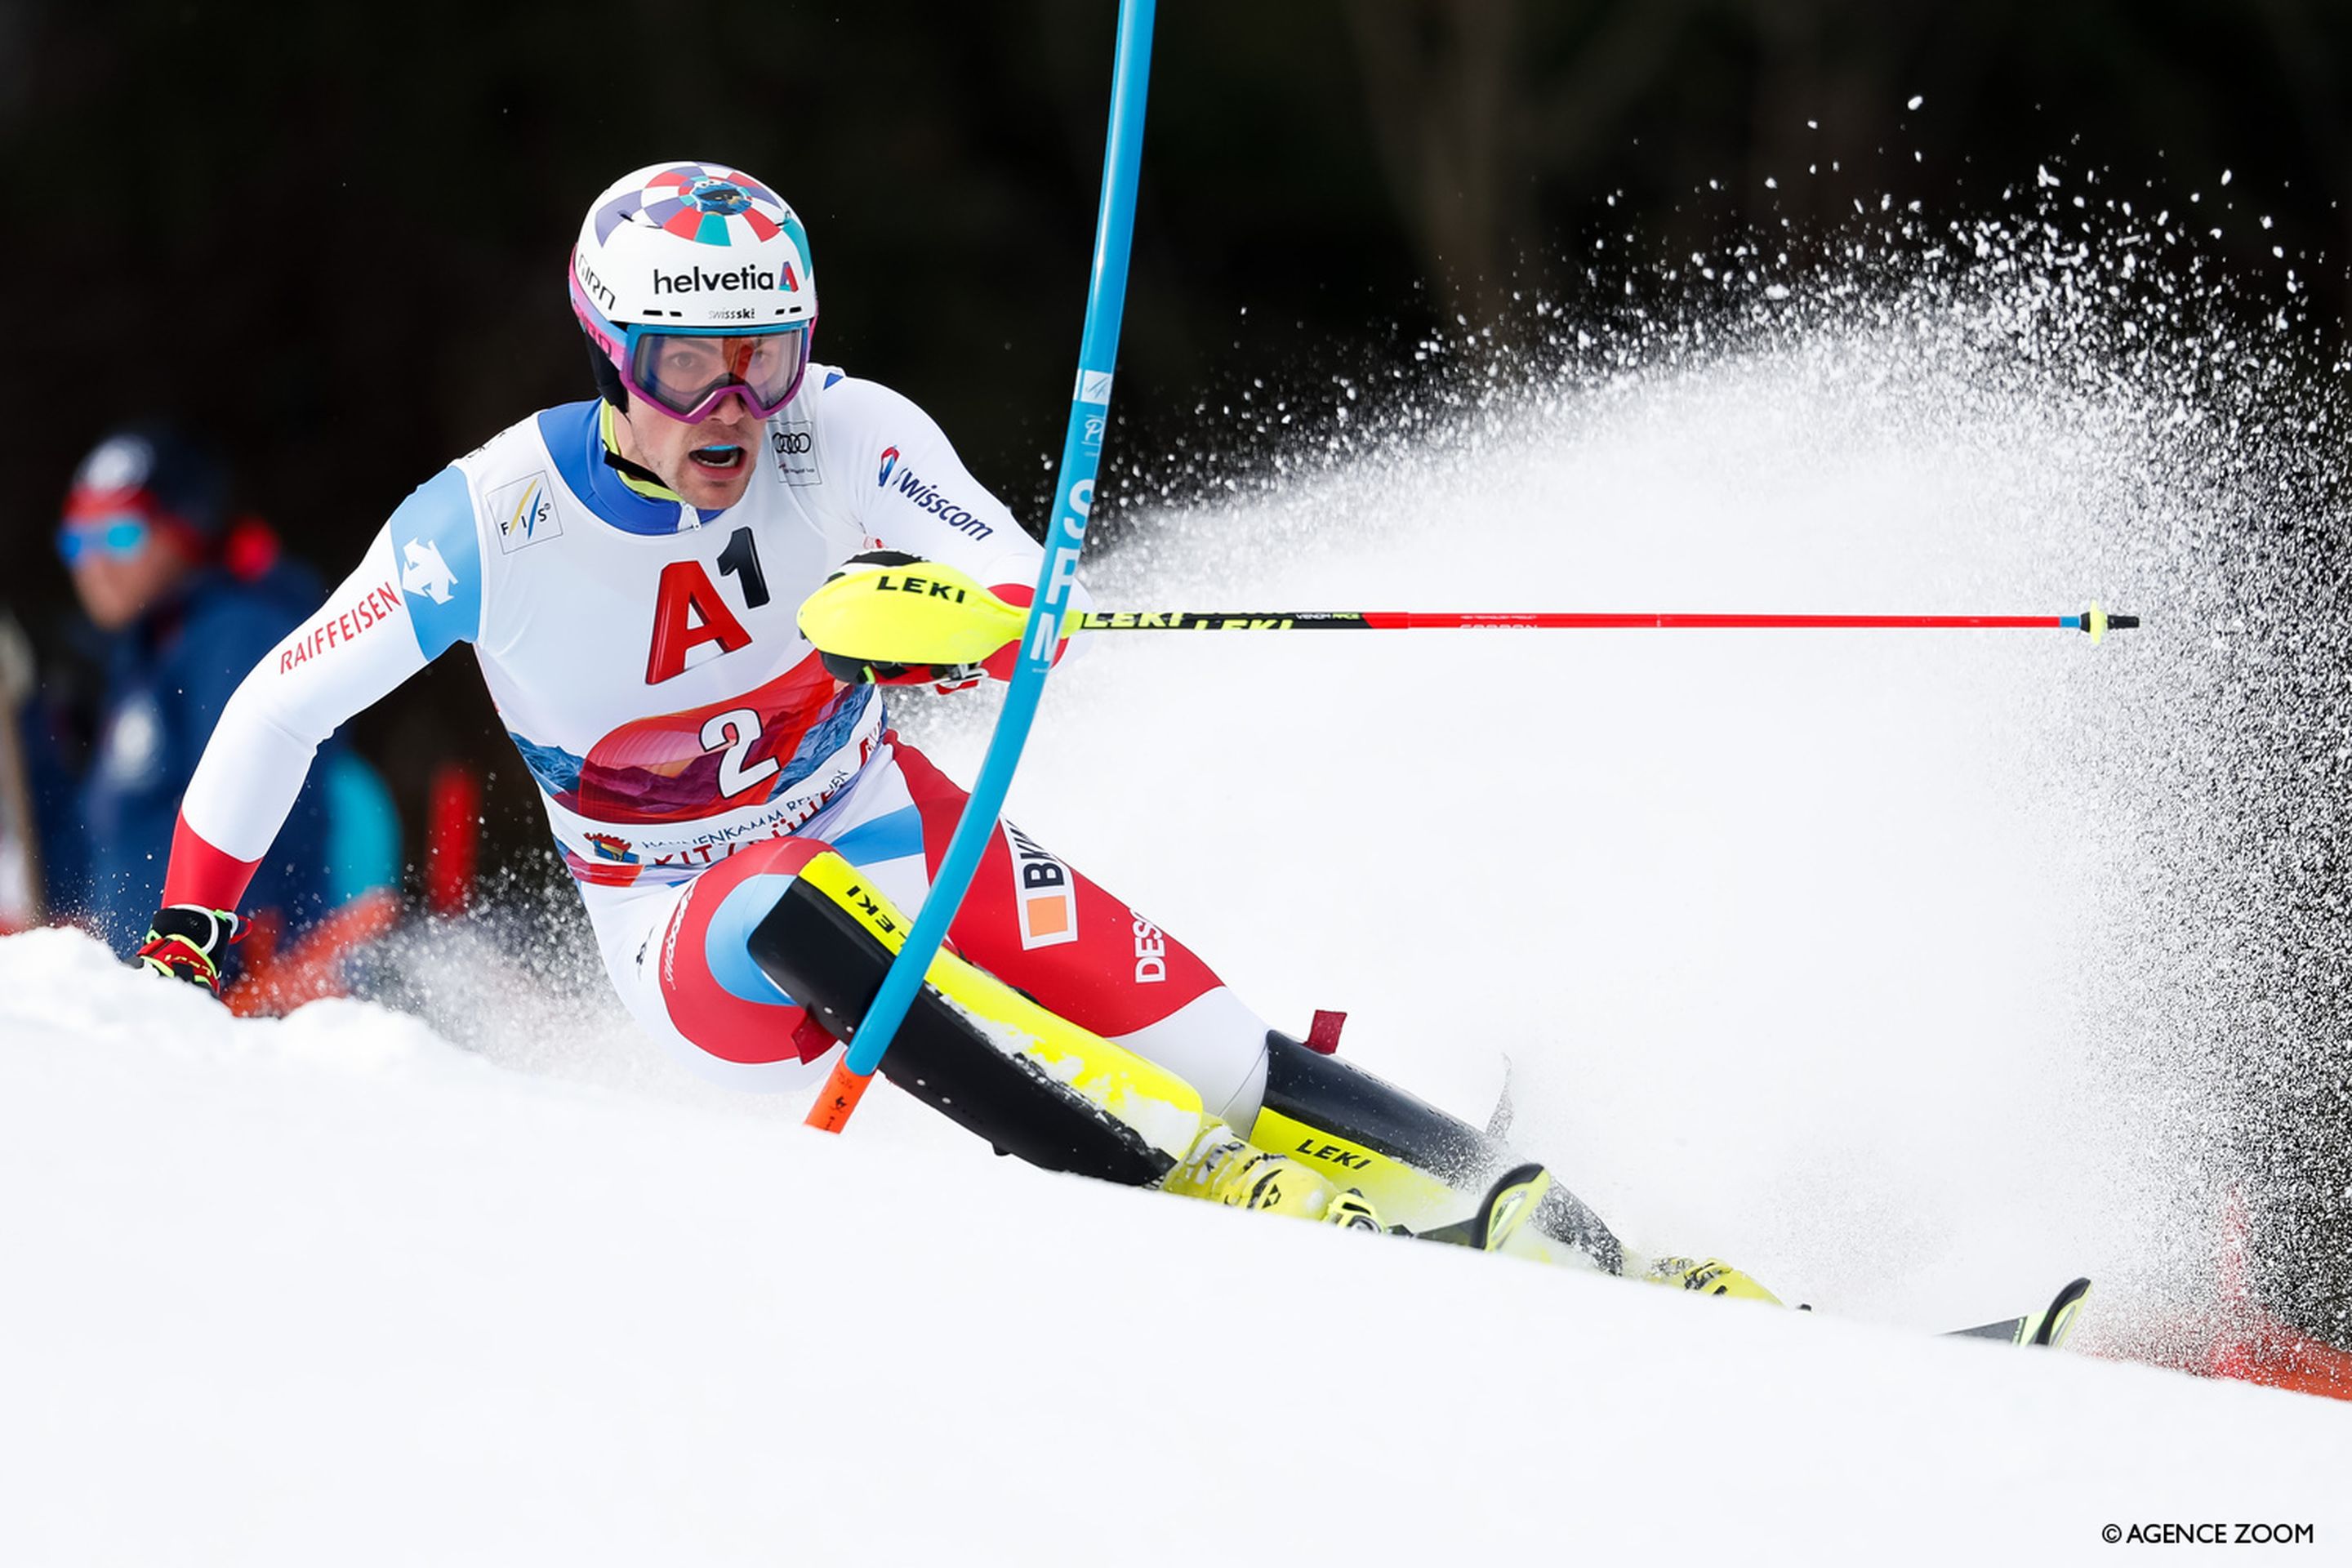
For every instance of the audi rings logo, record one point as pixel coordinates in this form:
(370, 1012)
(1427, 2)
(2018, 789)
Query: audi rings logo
(794, 444)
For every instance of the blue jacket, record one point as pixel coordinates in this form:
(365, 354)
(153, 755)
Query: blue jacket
(167, 680)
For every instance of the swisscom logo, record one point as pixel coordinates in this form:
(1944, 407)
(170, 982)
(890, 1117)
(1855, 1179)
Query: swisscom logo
(889, 461)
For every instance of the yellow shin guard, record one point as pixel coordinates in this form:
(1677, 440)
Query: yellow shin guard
(1031, 1082)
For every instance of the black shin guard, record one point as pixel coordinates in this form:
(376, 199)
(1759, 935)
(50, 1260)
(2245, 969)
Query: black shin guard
(832, 965)
(1320, 1108)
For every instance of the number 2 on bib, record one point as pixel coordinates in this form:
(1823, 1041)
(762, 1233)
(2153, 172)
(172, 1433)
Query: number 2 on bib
(738, 730)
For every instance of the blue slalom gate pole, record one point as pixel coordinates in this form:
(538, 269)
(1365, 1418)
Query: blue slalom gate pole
(1065, 542)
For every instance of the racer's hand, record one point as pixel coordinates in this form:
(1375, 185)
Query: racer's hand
(188, 941)
(915, 623)
(917, 605)
(938, 676)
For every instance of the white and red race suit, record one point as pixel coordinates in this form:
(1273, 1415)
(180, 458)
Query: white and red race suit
(687, 743)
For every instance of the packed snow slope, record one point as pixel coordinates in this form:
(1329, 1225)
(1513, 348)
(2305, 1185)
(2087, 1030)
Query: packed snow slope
(330, 1290)
(1897, 968)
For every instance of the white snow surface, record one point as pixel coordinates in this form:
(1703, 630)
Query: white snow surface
(1785, 936)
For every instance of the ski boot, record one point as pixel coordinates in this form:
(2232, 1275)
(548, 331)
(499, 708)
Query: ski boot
(1708, 1277)
(1421, 1165)
(1221, 1168)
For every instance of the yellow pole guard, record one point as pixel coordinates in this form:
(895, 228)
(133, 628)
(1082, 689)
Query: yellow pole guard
(2098, 623)
(926, 613)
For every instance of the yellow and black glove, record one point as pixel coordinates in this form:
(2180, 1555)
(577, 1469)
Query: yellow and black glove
(190, 942)
(896, 619)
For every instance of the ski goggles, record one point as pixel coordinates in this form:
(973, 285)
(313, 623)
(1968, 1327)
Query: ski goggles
(121, 535)
(687, 371)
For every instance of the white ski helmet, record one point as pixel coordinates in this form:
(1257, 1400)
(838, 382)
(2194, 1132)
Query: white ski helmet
(693, 282)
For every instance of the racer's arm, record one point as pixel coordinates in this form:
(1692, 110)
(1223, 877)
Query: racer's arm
(418, 592)
(923, 502)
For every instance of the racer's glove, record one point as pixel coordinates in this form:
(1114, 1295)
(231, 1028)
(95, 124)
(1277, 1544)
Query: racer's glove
(190, 942)
(896, 619)
(939, 677)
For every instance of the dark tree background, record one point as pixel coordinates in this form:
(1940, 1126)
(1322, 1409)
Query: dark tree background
(331, 238)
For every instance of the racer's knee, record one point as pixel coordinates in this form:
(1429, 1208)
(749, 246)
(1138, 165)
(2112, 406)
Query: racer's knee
(715, 994)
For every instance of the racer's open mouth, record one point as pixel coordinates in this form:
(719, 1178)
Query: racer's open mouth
(721, 459)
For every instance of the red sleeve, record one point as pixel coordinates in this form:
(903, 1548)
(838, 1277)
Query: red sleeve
(201, 874)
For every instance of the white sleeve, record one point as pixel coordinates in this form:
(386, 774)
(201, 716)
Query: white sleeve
(924, 501)
(405, 604)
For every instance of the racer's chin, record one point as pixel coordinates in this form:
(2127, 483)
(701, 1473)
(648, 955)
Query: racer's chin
(713, 473)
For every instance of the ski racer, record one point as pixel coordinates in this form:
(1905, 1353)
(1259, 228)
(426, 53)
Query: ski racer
(743, 826)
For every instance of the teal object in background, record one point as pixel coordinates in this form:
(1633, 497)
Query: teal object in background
(363, 831)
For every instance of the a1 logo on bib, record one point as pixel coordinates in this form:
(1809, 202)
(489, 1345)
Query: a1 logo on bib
(524, 512)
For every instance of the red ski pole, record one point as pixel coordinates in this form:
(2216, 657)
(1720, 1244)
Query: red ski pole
(2094, 620)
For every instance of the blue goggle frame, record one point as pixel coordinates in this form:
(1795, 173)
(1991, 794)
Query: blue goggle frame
(123, 535)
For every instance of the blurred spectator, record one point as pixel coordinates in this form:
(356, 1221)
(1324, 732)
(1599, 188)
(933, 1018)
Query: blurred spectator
(20, 876)
(180, 606)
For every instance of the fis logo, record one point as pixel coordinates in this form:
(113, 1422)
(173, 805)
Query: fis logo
(889, 461)
(524, 512)
(1044, 891)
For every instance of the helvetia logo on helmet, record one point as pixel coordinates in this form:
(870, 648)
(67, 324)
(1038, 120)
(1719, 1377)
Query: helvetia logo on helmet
(694, 279)
(889, 461)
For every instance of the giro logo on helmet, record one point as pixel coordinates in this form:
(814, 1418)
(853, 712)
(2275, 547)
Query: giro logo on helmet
(594, 284)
